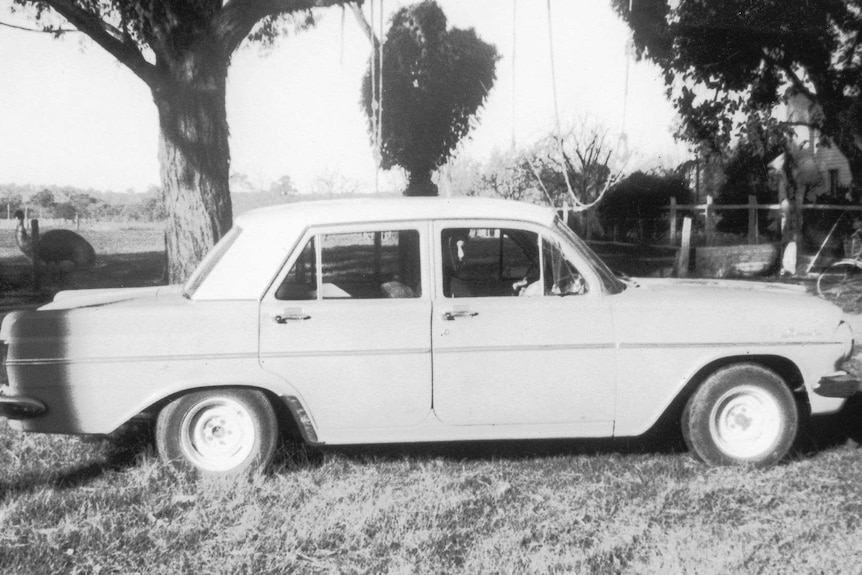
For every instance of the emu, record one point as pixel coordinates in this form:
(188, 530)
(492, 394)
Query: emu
(55, 246)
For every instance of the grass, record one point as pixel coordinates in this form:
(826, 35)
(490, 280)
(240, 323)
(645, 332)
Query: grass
(640, 506)
(110, 507)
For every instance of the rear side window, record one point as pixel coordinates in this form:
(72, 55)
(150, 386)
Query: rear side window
(210, 261)
(356, 265)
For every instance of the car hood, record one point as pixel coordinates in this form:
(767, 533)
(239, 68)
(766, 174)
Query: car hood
(723, 311)
(72, 299)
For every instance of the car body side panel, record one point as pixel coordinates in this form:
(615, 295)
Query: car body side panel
(96, 367)
(668, 333)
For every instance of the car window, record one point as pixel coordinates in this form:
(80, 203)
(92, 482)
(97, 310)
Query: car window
(499, 262)
(357, 265)
(301, 281)
(211, 260)
(561, 277)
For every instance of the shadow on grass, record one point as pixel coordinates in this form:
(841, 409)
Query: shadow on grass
(829, 431)
(487, 450)
(117, 452)
(816, 435)
(124, 450)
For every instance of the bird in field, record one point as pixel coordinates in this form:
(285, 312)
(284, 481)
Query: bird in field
(56, 246)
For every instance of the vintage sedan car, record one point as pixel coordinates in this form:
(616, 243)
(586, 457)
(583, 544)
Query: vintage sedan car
(408, 320)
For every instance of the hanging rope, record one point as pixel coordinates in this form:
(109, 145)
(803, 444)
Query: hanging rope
(380, 87)
(369, 26)
(539, 179)
(514, 53)
(556, 106)
(624, 139)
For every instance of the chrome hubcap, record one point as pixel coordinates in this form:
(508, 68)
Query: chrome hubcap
(746, 422)
(217, 434)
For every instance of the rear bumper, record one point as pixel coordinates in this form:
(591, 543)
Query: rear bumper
(12, 407)
(838, 384)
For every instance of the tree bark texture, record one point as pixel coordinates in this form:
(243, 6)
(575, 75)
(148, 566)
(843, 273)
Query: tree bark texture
(194, 155)
(419, 184)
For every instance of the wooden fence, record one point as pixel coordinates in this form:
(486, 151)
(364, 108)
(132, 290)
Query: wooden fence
(710, 209)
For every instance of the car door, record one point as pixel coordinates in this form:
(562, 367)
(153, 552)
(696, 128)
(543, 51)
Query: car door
(347, 323)
(520, 334)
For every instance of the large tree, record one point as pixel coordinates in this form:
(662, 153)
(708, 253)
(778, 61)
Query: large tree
(434, 80)
(726, 59)
(181, 50)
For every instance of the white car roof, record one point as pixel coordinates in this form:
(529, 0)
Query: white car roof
(270, 233)
(329, 212)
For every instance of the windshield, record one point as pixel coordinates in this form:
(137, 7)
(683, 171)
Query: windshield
(611, 282)
(210, 262)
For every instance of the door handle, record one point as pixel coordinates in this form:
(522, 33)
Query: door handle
(456, 313)
(291, 315)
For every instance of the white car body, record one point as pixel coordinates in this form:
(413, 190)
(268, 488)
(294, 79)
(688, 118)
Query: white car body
(433, 367)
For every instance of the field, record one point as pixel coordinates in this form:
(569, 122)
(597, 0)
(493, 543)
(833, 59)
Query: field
(624, 506)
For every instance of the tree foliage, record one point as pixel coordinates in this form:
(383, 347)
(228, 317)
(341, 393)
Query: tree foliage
(724, 60)
(181, 50)
(746, 173)
(637, 204)
(434, 79)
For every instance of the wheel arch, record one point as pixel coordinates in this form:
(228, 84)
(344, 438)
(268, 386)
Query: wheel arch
(785, 368)
(293, 419)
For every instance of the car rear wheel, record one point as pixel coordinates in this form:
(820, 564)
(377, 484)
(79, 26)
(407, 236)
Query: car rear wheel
(741, 414)
(219, 432)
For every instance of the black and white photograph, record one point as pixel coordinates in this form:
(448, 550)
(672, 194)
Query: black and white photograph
(430, 286)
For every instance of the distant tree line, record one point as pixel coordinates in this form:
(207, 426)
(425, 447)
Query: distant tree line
(71, 203)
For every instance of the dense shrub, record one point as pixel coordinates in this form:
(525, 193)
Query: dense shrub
(636, 207)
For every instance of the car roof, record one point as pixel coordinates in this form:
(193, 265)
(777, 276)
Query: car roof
(345, 211)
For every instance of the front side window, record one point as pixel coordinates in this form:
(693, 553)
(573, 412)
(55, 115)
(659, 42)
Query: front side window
(358, 265)
(498, 262)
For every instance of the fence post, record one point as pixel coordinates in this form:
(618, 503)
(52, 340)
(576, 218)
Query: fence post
(672, 239)
(752, 219)
(34, 247)
(707, 224)
(684, 249)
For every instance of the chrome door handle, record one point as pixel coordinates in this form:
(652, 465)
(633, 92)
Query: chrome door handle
(451, 315)
(291, 316)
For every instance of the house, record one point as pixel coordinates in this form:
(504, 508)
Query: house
(827, 170)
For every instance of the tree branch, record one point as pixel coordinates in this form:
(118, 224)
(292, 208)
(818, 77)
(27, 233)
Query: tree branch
(54, 31)
(108, 37)
(791, 73)
(238, 17)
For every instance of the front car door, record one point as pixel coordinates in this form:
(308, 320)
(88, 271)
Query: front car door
(346, 323)
(522, 334)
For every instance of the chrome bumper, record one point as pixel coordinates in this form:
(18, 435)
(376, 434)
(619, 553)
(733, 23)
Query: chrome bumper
(20, 407)
(838, 384)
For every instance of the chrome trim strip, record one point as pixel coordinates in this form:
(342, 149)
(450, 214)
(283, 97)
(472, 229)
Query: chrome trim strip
(725, 344)
(132, 359)
(509, 348)
(342, 352)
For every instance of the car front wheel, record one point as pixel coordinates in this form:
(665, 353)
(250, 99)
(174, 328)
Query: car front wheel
(218, 432)
(741, 414)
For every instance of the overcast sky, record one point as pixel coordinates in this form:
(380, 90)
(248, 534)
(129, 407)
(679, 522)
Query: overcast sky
(71, 115)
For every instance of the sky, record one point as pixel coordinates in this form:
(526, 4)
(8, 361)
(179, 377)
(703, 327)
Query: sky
(71, 115)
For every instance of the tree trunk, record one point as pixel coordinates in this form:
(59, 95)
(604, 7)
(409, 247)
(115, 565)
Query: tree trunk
(420, 184)
(195, 161)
